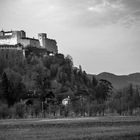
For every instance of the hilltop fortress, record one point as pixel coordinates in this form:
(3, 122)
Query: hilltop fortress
(10, 38)
(15, 47)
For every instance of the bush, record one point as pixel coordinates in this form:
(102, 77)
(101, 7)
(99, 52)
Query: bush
(4, 111)
(19, 110)
(36, 108)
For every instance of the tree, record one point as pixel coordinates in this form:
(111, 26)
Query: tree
(94, 82)
(117, 103)
(126, 100)
(13, 88)
(4, 85)
(103, 91)
(137, 98)
(3, 65)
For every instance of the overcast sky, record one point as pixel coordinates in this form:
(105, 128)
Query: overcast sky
(100, 35)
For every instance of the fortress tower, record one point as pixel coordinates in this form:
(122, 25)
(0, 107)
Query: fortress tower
(42, 39)
(11, 37)
(49, 44)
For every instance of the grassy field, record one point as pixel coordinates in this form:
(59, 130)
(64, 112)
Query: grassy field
(97, 128)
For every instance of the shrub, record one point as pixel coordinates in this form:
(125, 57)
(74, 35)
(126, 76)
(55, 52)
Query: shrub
(4, 111)
(19, 110)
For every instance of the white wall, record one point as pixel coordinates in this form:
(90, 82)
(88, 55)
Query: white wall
(8, 41)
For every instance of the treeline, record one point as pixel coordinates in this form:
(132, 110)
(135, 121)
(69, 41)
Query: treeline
(51, 86)
(126, 101)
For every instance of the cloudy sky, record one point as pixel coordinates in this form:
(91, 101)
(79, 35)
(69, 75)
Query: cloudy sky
(100, 35)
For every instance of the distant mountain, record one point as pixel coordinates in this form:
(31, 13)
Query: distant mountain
(120, 81)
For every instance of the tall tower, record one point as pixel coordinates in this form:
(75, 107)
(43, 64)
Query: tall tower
(2, 33)
(42, 39)
(23, 34)
(16, 36)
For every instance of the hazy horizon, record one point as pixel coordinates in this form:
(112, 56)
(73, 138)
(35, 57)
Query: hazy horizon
(100, 35)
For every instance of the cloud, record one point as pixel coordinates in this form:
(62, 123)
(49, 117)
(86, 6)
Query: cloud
(92, 13)
(84, 13)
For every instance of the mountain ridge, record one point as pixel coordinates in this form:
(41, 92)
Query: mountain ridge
(119, 81)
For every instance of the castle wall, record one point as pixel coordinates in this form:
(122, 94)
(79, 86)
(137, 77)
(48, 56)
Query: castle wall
(30, 42)
(8, 40)
(51, 46)
(11, 55)
(35, 43)
(25, 42)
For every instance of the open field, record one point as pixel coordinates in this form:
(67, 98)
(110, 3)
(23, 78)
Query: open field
(97, 128)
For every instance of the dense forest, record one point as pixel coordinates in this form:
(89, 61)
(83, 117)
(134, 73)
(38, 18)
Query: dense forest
(51, 86)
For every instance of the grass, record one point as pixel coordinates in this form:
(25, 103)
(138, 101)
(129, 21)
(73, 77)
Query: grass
(98, 128)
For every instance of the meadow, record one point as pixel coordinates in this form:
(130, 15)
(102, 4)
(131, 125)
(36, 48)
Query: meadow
(96, 128)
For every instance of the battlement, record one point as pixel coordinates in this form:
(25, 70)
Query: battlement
(12, 33)
(8, 33)
(13, 47)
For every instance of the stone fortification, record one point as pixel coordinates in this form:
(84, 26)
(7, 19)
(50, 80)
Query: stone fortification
(49, 44)
(19, 37)
(11, 55)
